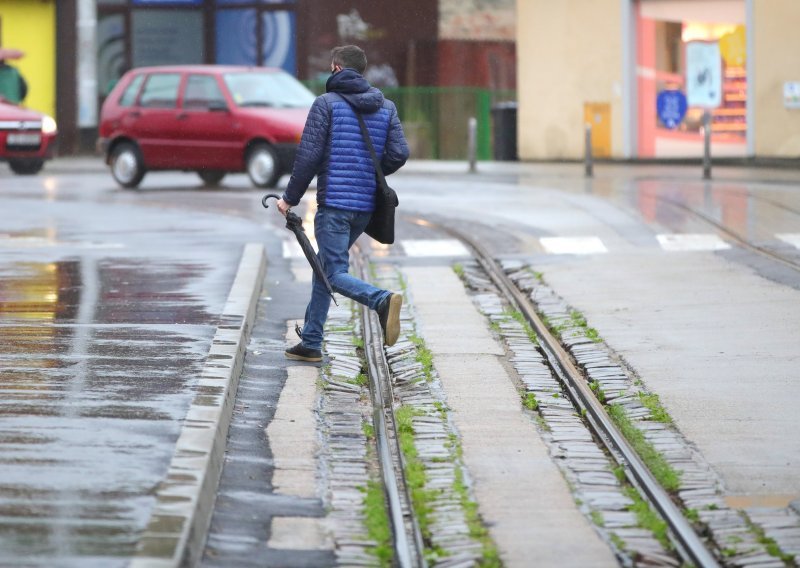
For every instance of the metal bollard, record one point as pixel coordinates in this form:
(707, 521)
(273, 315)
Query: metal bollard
(472, 144)
(706, 145)
(588, 152)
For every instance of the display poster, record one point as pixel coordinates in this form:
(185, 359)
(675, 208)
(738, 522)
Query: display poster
(703, 74)
(791, 94)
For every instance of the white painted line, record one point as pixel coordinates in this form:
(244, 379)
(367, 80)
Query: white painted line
(573, 245)
(691, 242)
(292, 249)
(434, 247)
(791, 238)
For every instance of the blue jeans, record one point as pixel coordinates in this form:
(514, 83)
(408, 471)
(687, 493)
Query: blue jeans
(336, 231)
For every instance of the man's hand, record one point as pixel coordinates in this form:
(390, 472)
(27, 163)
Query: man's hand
(283, 207)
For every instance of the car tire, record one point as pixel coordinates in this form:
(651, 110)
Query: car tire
(127, 166)
(211, 178)
(26, 167)
(262, 165)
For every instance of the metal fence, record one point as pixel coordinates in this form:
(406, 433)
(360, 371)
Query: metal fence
(435, 119)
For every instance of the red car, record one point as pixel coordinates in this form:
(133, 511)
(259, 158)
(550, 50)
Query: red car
(211, 119)
(27, 138)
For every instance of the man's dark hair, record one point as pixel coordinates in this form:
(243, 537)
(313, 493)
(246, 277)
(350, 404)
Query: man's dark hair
(350, 56)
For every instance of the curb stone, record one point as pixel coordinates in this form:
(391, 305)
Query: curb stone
(175, 533)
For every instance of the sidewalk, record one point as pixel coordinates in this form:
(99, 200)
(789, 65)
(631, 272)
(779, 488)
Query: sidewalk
(539, 170)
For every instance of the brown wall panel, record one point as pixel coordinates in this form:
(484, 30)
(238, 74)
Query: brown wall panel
(401, 34)
(488, 64)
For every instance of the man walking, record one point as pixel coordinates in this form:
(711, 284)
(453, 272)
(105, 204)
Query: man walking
(333, 149)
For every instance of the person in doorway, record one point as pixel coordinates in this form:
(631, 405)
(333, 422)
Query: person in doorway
(333, 149)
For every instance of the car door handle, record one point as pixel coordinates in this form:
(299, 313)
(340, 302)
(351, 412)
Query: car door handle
(134, 114)
(182, 116)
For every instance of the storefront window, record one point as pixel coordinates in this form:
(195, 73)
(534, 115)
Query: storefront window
(665, 27)
(167, 41)
(111, 61)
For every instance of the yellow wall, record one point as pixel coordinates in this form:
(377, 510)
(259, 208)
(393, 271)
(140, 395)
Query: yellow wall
(776, 45)
(29, 25)
(569, 52)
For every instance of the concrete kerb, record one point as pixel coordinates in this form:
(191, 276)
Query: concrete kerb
(175, 533)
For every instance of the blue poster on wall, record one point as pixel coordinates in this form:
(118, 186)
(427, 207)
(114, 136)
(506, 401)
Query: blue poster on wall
(278, 49)
(236, 38)
(671, 108)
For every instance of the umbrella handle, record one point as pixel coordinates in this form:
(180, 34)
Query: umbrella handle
(267, 196)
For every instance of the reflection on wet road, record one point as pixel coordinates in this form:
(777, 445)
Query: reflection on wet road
(97, 363)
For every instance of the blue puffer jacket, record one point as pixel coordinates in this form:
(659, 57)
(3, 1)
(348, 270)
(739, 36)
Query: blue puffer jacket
(333, 149)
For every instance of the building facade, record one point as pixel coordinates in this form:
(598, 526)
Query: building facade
(621, 66)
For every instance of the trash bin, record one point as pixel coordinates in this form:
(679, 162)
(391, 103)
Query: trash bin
(504, 130)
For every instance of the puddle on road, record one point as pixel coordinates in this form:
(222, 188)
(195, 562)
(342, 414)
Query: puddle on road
(95, 377)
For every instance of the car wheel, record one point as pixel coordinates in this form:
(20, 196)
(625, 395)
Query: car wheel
(127, 165)
(262, 166)
(211, 178)
(26, 167)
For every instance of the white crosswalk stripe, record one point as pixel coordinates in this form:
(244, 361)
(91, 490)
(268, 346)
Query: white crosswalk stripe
(434, 247)
(291, 249)
(691, 242)
(573, 245)
(791, 238)
(670, 242)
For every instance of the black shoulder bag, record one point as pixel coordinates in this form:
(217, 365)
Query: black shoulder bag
(381, 225)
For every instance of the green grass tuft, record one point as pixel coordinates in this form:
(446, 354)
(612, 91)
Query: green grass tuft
(648, 518)
(517, 315)
(424, 356)
(667, 476)
(377, 523)
(657, 412)
(529, 401)
(369, 430)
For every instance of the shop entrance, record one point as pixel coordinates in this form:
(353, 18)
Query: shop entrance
(664, 27)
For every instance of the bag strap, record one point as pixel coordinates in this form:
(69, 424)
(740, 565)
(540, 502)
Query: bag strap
(368, 142)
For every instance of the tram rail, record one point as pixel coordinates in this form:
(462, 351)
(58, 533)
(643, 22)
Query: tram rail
(406, 535)
(688, 543)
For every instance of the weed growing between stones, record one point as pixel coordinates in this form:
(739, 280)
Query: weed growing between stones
(665, 474)
(377, 523)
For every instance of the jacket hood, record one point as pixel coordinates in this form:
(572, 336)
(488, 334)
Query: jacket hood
(352, 86)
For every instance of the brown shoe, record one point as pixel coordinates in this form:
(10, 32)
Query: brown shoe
(389, 315)
(301, 353)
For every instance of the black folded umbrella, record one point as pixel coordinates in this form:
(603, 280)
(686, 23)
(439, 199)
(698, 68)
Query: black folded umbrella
(295, 225)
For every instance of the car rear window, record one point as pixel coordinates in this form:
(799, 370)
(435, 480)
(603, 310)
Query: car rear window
(161, 91)
(268, 89)
(129, 96)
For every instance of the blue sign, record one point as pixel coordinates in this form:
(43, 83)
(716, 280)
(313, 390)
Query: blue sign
(671, 108)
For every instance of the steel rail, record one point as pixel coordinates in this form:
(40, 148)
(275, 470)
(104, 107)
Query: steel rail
(688, 543)
(407, 541)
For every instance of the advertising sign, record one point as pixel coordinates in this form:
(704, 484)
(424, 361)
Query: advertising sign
(791, 94)
(671, 108)
(703, 74)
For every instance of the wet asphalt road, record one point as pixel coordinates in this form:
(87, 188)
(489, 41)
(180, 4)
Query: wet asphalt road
(108, 304)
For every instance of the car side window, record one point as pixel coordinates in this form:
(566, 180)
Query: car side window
(129, 96)
(202, 92)
(161, 91)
